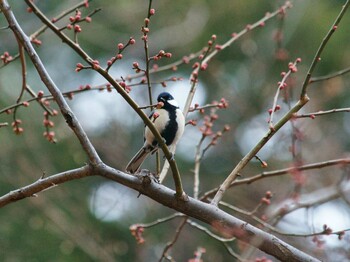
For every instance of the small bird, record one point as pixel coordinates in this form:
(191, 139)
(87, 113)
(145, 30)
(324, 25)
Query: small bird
(170, 123)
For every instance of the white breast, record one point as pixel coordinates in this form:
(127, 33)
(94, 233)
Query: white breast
(160, 123)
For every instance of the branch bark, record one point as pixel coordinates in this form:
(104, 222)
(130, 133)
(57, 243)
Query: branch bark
(222, 222)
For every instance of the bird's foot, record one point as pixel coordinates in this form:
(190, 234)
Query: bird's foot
(172, 156)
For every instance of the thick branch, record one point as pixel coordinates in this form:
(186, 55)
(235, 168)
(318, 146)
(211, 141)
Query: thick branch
(222, 222)
(43, 184)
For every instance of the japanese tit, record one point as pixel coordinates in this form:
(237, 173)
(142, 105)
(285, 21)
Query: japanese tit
(170, 123)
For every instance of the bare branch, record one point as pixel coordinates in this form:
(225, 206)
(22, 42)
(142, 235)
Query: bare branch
(302, 101)
(222, 222)
(266, 174)
(67, 113)
(330, 76)
(322, 113)
(323, 44)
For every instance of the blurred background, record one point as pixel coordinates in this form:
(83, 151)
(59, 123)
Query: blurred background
(89, 219)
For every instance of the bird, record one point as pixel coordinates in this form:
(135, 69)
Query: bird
(170, 123)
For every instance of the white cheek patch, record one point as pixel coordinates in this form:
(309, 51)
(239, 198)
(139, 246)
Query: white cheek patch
(173, 103)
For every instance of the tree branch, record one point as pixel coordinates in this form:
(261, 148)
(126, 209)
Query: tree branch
(302, 101)
(67, 113)
(222, 222)
(284, 171)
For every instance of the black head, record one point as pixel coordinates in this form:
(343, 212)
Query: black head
(168, 100)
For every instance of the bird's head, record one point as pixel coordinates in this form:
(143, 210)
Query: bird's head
(168, 100)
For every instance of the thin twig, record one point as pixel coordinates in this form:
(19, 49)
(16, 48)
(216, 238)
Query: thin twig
(161, 220)
(42, 29)
(290, 170)
(302, 101)
(330, 76)
(56, 93)
(245, 160)
(281, 85)
(322, 113)
(173, 241)
(324, 42)
(208, 232)
(23, 73)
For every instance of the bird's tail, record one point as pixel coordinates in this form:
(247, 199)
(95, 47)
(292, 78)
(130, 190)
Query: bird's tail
(137, 160)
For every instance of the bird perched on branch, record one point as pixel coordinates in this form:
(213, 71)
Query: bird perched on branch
(170, 123)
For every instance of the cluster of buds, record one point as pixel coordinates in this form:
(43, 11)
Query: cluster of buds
(136, 231)
(136, 67)
(95, 65)
(6, 57)
(86, 87)
(292, 69)
(209, 120)
(161, 54)
(293, 66)
(79, 67)
(77, 19)
(223, 104)
(48, 124)
(145, 29)
(16, 126)
(185, 60)
(41, 99)
(125, 86)
(202, 65)
(267, 198)
(341, 235)
(318, 241)
(327, 230)
(121, 47)
(206, 128)
(219, 134)
(109, 87)
(211, 41)
(283, 9)
(50, 136)
(277, 107)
